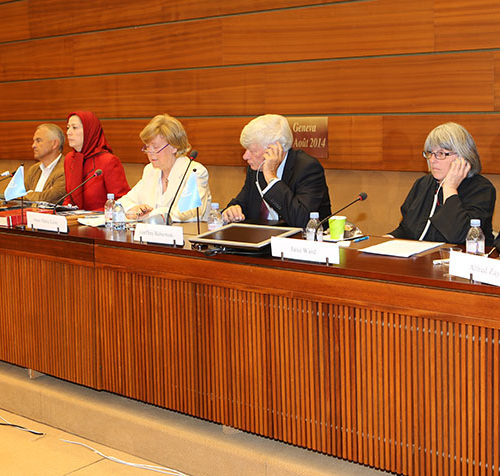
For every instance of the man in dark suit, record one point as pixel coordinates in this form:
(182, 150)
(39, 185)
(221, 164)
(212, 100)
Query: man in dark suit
(281, 183)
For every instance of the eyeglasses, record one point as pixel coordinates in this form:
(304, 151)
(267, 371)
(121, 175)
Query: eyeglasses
(440, 155)
(153, 152)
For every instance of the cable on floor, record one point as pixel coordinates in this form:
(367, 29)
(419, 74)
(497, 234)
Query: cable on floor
(157, 469)
(19, 427)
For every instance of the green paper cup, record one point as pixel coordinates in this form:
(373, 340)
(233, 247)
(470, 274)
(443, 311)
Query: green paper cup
(336, 225)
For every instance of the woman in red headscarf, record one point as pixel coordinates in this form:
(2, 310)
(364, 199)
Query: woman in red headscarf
(91, 152)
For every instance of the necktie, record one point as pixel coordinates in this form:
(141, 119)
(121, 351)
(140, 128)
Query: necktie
(264, 212)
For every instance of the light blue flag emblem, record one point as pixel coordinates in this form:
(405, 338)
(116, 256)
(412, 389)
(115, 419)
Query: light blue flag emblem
(16, 188)
(190, 196)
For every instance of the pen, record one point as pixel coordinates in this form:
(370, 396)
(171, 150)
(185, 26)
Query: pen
(363, 238)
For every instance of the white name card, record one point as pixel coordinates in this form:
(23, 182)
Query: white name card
(483, 269)
(303, 250)
(166, 235)
(47, 221)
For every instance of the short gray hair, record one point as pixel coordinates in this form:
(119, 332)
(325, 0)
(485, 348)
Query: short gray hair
(454, 137)
(266, 130)
(55, 132)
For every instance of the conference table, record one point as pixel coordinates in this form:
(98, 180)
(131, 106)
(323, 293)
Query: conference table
(384, 361)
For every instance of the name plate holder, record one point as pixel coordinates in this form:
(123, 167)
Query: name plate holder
(475, 267)
(47, 222)
(162, 234)
(303, 250)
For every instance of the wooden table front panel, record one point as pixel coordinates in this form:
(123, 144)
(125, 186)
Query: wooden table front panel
(411, 391)
(47, 317)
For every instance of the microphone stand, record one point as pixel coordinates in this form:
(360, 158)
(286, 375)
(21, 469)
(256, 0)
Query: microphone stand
(191, 157)
(359, 198)
(95, 174)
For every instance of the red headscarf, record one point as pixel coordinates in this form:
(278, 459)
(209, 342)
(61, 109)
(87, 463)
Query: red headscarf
(94, 142)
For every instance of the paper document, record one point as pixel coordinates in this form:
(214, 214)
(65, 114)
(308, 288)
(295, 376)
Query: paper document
(94, 220)
(401, 248)
(98, 220)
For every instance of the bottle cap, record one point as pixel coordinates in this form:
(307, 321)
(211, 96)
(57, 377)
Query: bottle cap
(475, 222)
(314, 215)
(214, 206)
(111, 196)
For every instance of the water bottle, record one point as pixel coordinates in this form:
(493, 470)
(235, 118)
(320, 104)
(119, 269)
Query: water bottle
(214, 220)
(312, 226)
(119, 218)
(474, 243)
(108, 210)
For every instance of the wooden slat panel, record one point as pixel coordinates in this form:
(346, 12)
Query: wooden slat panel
(43, 328)
(288, 35)
(285, 329)
(61, 17)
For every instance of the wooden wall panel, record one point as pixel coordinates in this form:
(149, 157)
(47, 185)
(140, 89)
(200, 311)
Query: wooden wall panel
(391, 142)
(335, 31)
(381, 85)
(63, 18)
(215, 66)
(15, 21)
(277, 36)
(475, 20)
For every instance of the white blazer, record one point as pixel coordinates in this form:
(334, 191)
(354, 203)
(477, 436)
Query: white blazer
(149, 190)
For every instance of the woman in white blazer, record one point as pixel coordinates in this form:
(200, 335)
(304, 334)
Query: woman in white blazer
(167, 148)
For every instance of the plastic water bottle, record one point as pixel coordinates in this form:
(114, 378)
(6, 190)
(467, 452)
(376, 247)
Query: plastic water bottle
(119, 218)
(312, 226)
(214, 220)
(108, 210)
(474, 243)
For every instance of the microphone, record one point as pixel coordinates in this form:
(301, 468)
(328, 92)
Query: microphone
(362, 196)
(95, 174)
(192, 156)
(5, 175)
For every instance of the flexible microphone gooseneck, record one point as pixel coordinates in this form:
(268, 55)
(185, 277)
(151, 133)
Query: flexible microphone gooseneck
(95, 174)
(192, 156)
(362, 196)
(6, 175)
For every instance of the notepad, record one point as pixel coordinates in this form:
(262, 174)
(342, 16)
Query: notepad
(401, 248)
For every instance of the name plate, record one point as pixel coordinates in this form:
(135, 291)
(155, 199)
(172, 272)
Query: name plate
(163, 234)
(310, 134)
(303, 250)
(483, 269)
(47, 222)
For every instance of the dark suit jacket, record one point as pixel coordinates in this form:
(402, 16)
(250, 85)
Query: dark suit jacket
(54, 188)
(301, 190)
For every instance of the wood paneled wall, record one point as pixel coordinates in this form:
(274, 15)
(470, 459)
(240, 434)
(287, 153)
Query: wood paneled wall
(384, 71)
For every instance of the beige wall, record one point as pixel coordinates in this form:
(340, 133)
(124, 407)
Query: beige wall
(378, 215)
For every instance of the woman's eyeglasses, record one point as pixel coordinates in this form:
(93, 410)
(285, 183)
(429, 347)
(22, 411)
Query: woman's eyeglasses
(440, 155)
(147, 151)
